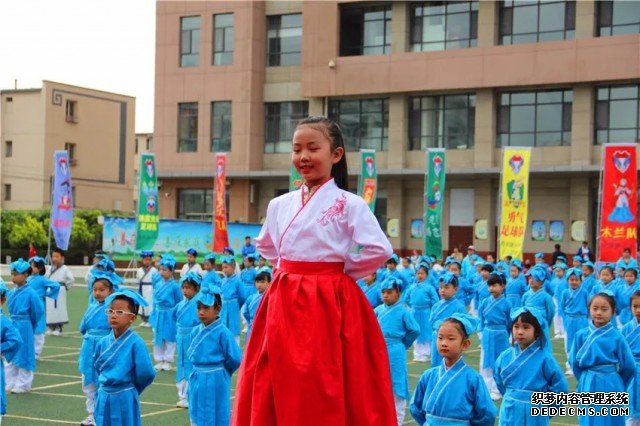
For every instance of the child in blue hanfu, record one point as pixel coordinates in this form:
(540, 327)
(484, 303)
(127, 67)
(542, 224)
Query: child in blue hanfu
(215, 356)
(574, 309)
(601, 358)
(399, 330)
(248, 276)
(631, 333)
(421, 299)
(559, 285)
(627, 286)
(122, 363)
(371, 288)
(93, 327)
(26, 310)
(166, 295)
(453, 393)
(526, 368)
(445, 307)
(10, 342)
(232, 297)
(210, 275)
(250, 307)
(495, 324)
(539, 299)
(185, 315)
(516, 284)
(43, 288)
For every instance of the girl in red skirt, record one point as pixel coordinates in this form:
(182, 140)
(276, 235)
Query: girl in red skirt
(316, 354)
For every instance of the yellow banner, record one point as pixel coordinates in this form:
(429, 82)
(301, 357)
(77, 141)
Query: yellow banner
(514, 198)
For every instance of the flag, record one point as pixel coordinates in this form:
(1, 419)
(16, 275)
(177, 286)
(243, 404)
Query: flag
(61, 200)
(220, 235)
(514, 193)
(147, 216)
(368, 182)
(433, 197)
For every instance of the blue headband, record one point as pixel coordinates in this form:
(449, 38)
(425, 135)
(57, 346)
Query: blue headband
(227, 259)
(206, 296)
(539, 255)
(562, 266)
(37, 259)
(516, 312)
(517, 263)
(146, 253)
(561, 257)
(107, 264)
(251, 256)
(114, 279)
(211, 257)
(168, 262)
(391, 283)
(537, 274)
(448, 278)
(469, 323)
(450, 261)
(589, 264)
(192, 278)
(192, 251)
(230, 250)
(20, 266)
(394, 258)
(577, 259)
(574, 271)
(264, 269)
(607, 292)
(131, 295)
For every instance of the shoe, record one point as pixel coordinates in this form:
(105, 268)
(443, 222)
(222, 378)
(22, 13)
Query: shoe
(56, 333)
(19, 390)
(158, 366)
(166, 366)
(89, 421)
(496, 396)
(569, 372)
(556, 336)
(48, 332)
(183, 403)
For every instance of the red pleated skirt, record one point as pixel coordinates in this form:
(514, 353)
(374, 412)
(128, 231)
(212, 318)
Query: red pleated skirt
(316, 355)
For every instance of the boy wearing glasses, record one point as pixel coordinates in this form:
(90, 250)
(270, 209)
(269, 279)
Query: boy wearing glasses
(123, 364)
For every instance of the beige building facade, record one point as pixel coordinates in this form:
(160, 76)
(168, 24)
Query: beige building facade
(400, 77)
(95, 127)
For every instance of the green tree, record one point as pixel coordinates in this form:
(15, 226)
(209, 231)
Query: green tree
(81, 235)
(26, 231)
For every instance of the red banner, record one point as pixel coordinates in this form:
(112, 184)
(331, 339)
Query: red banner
(618, 227)
(220, 235)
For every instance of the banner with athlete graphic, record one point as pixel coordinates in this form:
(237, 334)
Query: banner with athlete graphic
(148, 216)
(368, 182)
(61, 200)
(433, 197)
(220, 235)
(514, 201)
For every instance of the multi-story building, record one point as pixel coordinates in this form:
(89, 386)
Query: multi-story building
(561, 77)
(95, 127)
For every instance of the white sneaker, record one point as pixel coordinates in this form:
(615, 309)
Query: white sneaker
(183, 403)
(166, 366)
(569, 372)
(496, 396)
(158, 366)
(19, 390)
(48, 332)
(89, 421)
(56, 332)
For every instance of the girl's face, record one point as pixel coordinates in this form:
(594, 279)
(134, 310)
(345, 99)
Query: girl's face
(600, 311)
(535, 285)
(559, 272)
(405, 263)
(101, 290)
(262, 285)
(189, 290)
(523, 333)
(421, 275)
(484, 274)
(454, 269)
(574, 282)
(191, 258)
(496, 290)
(227, 269)
(447, 291)
(207, 314)
(576, 264)
(207, 266)
(312, 155)
(369, 279)
(18, 279)
(635, 307)
(389, 297)
(166, 273)
(514, 272)
(490, 258)
(451, 343)
(586, 271)
(629, 277)
(606, 276)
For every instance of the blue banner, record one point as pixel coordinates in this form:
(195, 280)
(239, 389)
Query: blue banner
(174, 236)
(62, 200)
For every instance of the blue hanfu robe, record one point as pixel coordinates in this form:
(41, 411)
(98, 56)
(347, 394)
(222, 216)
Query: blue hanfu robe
(397, 274)
(124, 370)
(481, 292)
(166, 295)
(542, 301)
(10, 342)
(421, 300)
(185, 315)
(399, 330)
(465, 292)
(623, 301)
(588, 281)
(495, 325)
(434, 280)
(518, 373)
(441, 310)
(409, 274)
(515, 289)
(574, 308)
(211, 278)
(559, 285)
(602, 361)
(93, 327)
(232, 298)
(215, 356)
(44, 288)
(452, 397)
(631, 333)
(248, 278)
(26, 310)
(621, 264)
(249, 310)
(371, 292)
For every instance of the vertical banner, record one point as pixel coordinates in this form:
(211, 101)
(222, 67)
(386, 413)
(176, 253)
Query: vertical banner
(147, 216)
(220, 235)
(368, 182)
(295, 180)
(514, 205)
(618, 202)
(61, 200)
(433, 198)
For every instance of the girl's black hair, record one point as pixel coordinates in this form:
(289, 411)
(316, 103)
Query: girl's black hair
(529, 318)
(217, 303)
(58, 250)
(332, 131)
(609, 268)
(263, 276)
(453, 282)
(611, 300)
(133, 308)
(106, 282)
(459, 326)
(190, 283)
(423, 266)
(495, 279)
(635, 295)
(39, 266)
(633, 271)
(487, 267)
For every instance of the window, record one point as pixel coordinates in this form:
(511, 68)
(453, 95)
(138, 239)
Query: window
(223, 39)
(441, 25)
(381, 211)
(190, 41)
(365, 30)
(617, 109)
(280, 122)
(221, 126)
(284, 40)
(535, 21)
(71, 111)
(188, 127)
(364, 122)
(618, 17)
(8, 149)
(71, 150)
(442, 121)
(9, 99)
(196, 204)
(7, 192)
(540, 118)
(149, 143)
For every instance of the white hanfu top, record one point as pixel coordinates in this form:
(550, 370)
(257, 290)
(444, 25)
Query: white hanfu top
(332, 226)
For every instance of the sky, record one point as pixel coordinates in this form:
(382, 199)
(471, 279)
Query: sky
(106, 45)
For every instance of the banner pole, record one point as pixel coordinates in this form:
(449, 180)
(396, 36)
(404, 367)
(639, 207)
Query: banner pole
(599, 212)
(48, 258)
